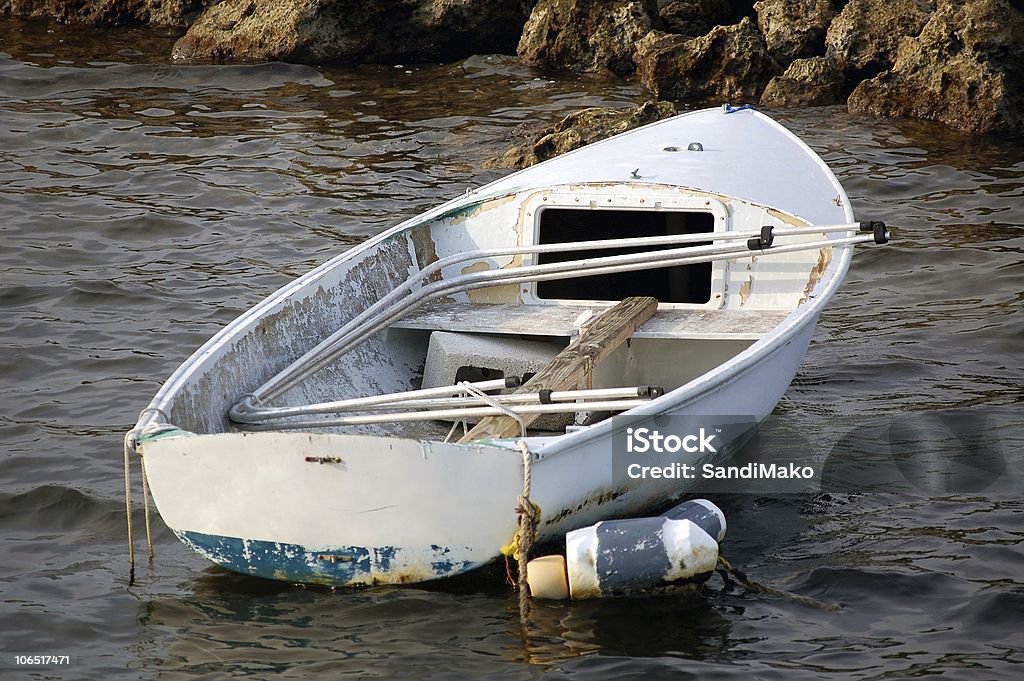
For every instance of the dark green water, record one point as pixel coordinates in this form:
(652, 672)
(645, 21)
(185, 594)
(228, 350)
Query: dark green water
(143, 205)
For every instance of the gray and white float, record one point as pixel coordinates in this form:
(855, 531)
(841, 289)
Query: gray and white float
(633, 557)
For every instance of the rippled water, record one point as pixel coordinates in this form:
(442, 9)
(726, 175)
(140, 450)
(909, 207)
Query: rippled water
(143, 205)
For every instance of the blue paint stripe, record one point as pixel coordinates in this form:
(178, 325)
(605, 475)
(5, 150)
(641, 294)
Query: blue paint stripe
(353, 565)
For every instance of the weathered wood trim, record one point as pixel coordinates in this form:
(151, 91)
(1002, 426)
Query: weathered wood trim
(573, 365)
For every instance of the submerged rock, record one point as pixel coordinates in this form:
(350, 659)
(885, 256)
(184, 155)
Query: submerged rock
(576, 130)
(794, 29)
(108, 12)
(965, 69)
(729, 63)
(352, 30)
(586, 35)
(807, 82)
(864, 37)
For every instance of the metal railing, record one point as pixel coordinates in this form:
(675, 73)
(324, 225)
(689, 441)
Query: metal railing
(420, 288)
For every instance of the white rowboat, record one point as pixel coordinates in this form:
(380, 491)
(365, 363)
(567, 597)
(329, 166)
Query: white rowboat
(312, 440)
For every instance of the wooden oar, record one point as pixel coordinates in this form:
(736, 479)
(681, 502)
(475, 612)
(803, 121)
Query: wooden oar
(597, 340)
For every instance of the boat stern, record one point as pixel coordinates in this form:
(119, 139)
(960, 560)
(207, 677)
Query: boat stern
(333, 509)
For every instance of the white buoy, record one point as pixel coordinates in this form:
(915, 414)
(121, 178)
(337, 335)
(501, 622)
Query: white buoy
(634, 556)
(547, 577)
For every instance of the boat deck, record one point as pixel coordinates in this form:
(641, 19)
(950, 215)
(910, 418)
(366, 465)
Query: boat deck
(560, 320)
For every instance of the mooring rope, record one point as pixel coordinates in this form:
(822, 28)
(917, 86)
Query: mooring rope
(527, 512)
(455, 425)
(529, 515)
(494, 404)
(726, 569)
(145, 505)
(451, 431)
(130, 448)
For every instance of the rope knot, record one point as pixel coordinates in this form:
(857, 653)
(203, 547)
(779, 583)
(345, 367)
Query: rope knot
(528, 511)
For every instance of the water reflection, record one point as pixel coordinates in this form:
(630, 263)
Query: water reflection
(231, 623)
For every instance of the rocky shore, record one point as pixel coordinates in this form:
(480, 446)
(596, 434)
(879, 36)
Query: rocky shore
(955, 61)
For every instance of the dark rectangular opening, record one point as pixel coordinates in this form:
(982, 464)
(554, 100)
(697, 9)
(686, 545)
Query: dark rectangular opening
(679, 284)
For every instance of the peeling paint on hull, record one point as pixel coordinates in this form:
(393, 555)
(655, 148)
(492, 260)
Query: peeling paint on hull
(334, 566)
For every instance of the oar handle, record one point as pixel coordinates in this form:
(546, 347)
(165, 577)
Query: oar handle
(876, 228)
(766, 238)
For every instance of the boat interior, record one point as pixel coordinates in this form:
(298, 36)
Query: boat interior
(455, 319)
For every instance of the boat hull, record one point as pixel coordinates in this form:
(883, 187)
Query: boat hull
(343, 510)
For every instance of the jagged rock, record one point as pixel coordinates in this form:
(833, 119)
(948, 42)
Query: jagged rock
(693, 17)
(576, 130)
(352, 30)
(586, 35)
(965, 69)
(807, 82)
(108, 12)
(729, 63)
(864, 37)
(794, 29)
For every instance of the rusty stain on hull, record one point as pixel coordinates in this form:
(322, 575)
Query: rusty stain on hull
(595, 500)
(502, 293)
(425, 248)
(788, 219)
(745, 290)
(824, 258)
